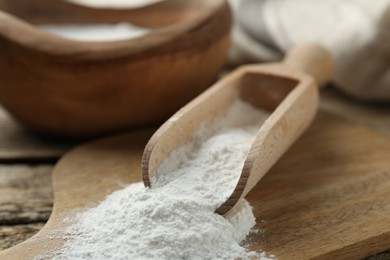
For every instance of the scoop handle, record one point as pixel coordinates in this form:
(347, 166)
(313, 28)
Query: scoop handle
(314, 59)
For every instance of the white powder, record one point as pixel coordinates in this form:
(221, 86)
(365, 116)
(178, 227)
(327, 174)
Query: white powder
(95, 32)
(175, 219)
(209, 166)
(118, 4)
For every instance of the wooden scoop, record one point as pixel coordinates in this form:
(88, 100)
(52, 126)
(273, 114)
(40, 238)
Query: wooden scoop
(288, 90)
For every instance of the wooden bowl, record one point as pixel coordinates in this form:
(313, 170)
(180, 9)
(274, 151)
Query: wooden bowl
(80, 89)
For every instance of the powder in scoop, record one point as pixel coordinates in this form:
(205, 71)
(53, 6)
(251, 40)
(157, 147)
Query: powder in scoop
(175, 219)
(95, 32)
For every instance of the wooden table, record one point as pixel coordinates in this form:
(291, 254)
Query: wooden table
(26, 162)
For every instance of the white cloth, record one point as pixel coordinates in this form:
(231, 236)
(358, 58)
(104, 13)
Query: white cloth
(355, 31)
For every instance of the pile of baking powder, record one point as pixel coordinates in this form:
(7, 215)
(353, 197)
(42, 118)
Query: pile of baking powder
(175, 219)
(95, 32)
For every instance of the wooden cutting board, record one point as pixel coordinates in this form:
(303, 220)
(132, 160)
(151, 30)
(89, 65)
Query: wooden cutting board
(327, 198)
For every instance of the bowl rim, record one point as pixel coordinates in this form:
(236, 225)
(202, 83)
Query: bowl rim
(15, 29)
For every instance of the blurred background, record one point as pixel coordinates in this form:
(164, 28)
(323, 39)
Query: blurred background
(36, 126)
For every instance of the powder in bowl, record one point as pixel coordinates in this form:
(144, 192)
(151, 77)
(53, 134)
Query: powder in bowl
(95, 32)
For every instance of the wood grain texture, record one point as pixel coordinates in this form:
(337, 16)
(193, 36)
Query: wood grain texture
(327, 198)
(25, 194)
(26, 200)
(12, 235)
(83, 89)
